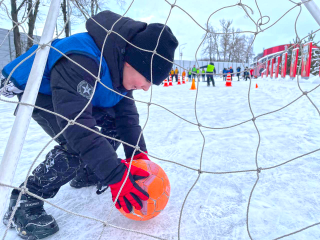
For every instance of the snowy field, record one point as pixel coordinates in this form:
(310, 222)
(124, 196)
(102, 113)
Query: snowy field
(286, 198)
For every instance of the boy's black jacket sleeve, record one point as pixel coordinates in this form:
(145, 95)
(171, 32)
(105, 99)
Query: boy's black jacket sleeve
(127, 124)
(94, 150)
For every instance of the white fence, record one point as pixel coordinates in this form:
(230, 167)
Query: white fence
(219, 66)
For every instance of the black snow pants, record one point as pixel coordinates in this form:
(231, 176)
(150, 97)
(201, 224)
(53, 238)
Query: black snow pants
(61, 163)
(210, 78)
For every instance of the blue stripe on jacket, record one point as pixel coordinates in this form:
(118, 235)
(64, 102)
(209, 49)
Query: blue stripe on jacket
(81, 43)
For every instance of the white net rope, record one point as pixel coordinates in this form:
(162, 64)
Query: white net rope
(258, 169)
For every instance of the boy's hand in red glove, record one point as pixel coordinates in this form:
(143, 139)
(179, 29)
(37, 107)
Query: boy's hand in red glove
(131, 194)
(140, 155)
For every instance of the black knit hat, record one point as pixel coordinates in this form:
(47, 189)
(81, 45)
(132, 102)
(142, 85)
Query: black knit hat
(141, 60)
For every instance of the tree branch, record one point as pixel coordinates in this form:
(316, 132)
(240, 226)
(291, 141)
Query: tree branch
(18, 9)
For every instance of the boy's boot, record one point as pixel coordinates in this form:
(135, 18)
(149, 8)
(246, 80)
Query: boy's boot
(30, 220)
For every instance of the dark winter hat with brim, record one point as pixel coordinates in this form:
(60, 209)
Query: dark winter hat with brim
(141, 60)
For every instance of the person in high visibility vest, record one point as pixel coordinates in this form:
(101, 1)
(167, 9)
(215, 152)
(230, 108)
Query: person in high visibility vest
(194, 71)
(210, 72)
(176, 72)
(189, 74)
(198, 74)
(203, 75)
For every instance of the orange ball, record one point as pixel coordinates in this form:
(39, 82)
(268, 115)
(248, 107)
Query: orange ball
(158, 187)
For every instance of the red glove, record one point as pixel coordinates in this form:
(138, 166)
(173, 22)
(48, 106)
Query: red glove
(140, 155)
(131, 194)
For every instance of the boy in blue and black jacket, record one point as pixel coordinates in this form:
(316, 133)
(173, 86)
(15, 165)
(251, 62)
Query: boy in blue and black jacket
(66, 89)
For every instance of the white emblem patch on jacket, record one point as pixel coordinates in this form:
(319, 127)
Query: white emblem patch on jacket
(85, 89)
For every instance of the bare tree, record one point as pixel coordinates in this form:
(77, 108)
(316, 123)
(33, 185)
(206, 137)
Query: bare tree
(65, 13)
(16, 34)
(248, 48)
(235, 42)
(22, 10)
(210, 44)
(240, 48)
(33, 12)
(311, 38)
(216, 39)
(225, 38)
(89, 8)
(230, 46)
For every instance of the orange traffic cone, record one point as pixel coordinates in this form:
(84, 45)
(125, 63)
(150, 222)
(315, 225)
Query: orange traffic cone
(165, 83)
(170, 81)
(193, 85)
(179, 83)
(256, 85)
(183, 80)
(228, 82)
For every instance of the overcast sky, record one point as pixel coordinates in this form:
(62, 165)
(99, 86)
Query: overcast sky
(190, 34)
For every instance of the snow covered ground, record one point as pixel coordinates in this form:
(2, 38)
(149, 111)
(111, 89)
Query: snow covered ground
(286, 198)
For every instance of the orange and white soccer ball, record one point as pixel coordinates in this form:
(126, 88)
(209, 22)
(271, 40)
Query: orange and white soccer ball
(158, 187)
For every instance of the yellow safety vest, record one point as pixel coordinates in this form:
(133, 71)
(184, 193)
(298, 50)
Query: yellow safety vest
(210, 68)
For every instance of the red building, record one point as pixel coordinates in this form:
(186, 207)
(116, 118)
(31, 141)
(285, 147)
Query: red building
(260, 61)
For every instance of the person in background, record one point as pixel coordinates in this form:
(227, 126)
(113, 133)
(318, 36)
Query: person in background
(246, 74)
(183, 74)
(210, 71)
(198, 74)
(176, 72)
(203, 75)
(172, 73)
(260, 71)
(231, 71)
(194, 72)
(238, 73)
(251, 73)
(189, 74)
(225, 72)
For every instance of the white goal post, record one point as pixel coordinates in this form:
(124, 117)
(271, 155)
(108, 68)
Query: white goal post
(313, 9)
(21, 124)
